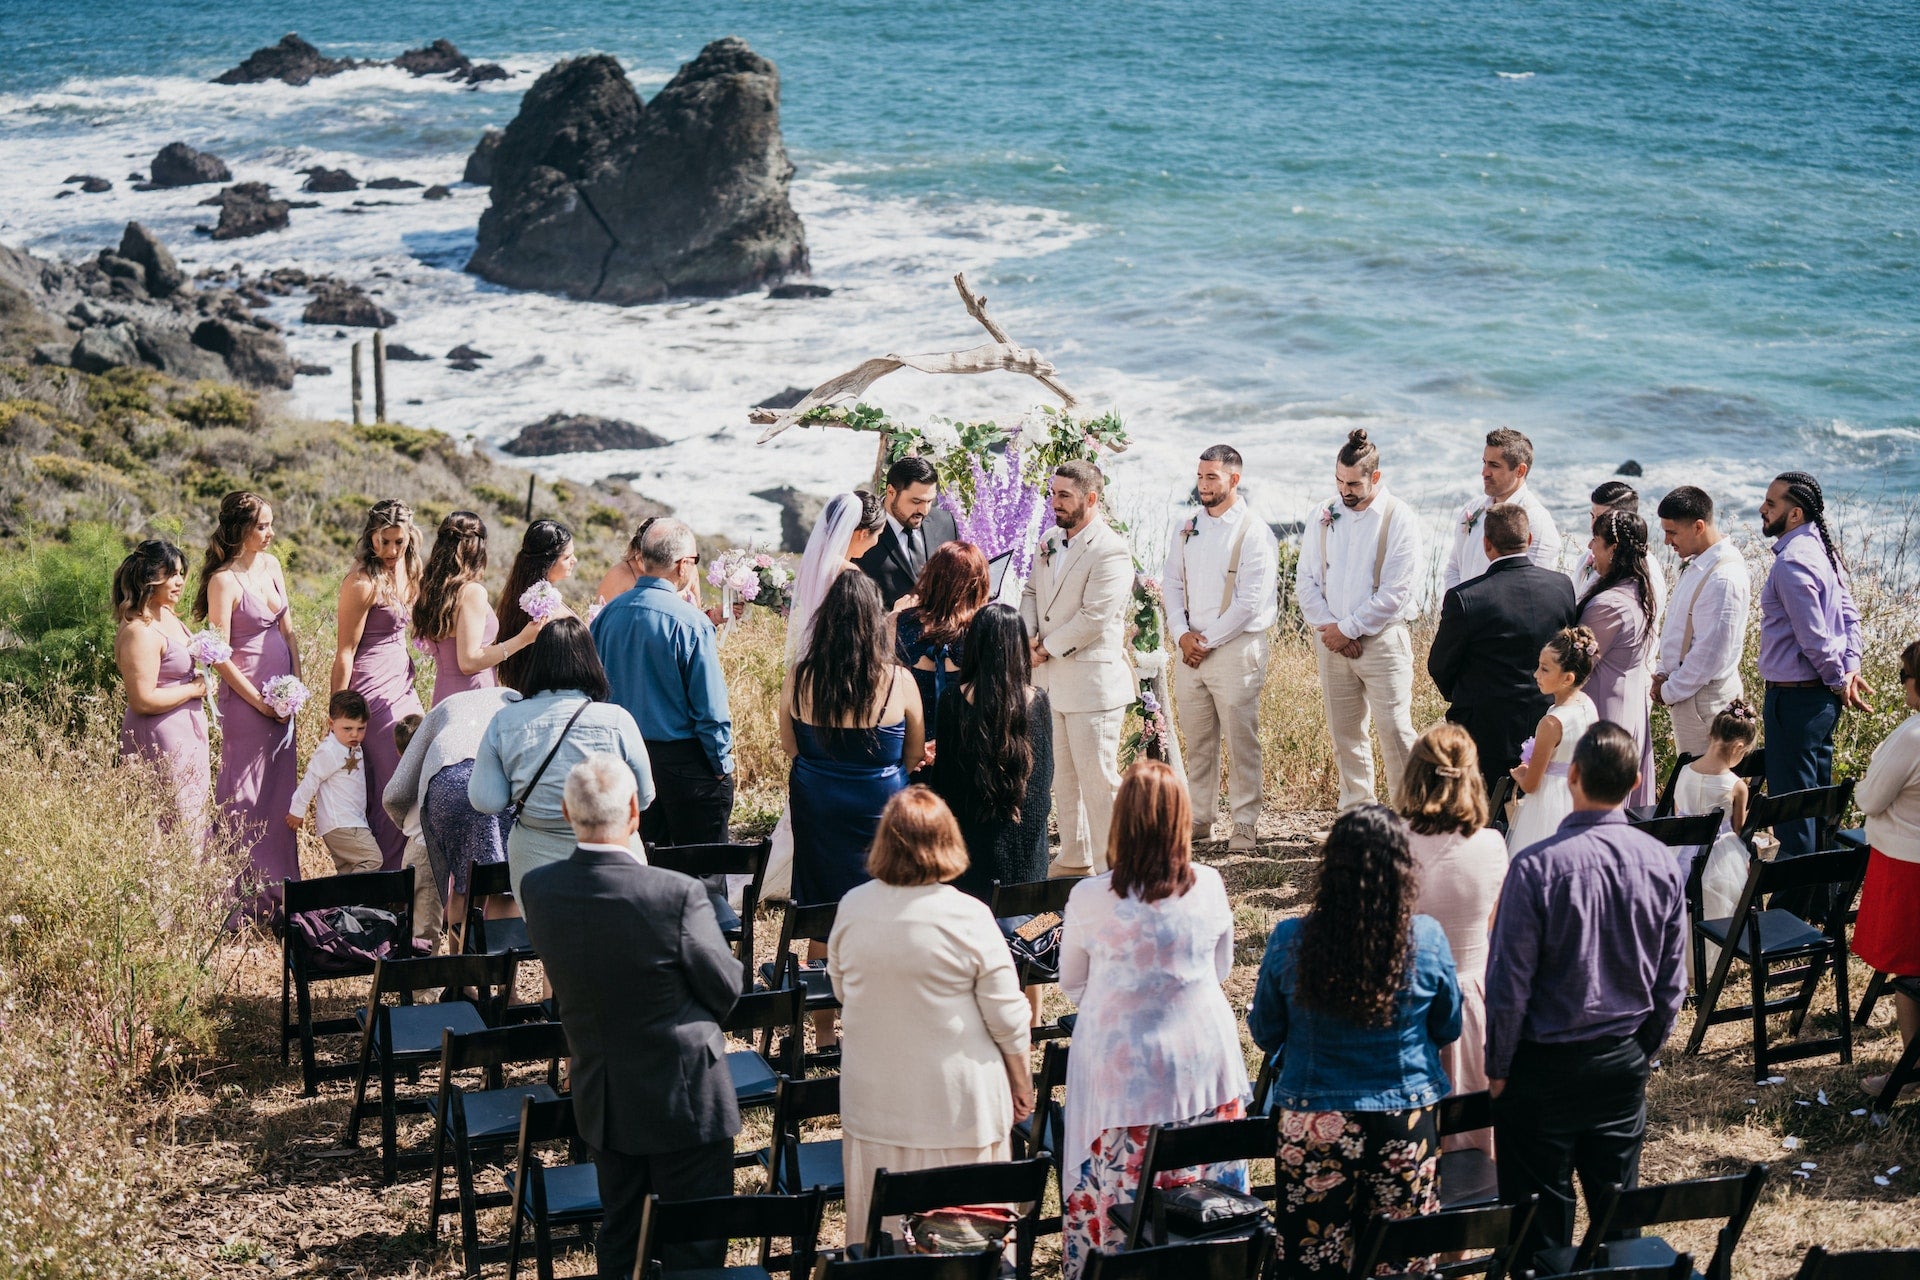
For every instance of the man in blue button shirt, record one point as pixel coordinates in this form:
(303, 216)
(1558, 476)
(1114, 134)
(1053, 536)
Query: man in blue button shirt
(663, 663)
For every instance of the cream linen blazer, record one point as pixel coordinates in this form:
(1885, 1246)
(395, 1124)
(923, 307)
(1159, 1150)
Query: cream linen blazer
(1077, 602)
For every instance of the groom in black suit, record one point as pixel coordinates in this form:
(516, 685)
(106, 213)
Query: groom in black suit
(916, 528)
(642, 978)
(1492, 629)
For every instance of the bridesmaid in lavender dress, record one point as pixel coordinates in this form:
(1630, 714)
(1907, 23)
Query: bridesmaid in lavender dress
(546, 554)
(1619, 609)
(165, 721)
(243, 596)
(370, 651)
(452, 618)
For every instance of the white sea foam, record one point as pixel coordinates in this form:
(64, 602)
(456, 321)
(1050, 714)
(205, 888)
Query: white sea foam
(1514, 75)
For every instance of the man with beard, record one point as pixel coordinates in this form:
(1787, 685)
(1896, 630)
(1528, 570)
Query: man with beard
(1075, 606)
(916, 527)
(1358, 568)
(1504, 467)
(1220, 587)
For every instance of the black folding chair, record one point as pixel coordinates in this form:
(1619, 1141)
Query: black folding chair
(1489, 1231)
(1242, 1259)
(802, 923)
(795, 1219)
(1860, 1264)
(1825, 807)
(1663, 807)
(1171, 1148)
(1691, 839)
(564, 1196)
(795, 1164)
(405, 1036)
(1613, 1236)
(1878, 988)
(913, 1266)
(1041, 1131)
(384, 890)
(1467, 1176)
(472, 1125)
(1499, 795)
(1681, 1268)
(1907, 1070)
(713, 862)
(756, 1078)
(504, 936)
(1022, 1183)
(1763, 939)
(1264, 1082)
(1015, 904)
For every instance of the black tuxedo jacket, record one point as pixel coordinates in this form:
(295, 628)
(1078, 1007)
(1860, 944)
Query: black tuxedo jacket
(887, 563)
(642, 978)
(1492, 629)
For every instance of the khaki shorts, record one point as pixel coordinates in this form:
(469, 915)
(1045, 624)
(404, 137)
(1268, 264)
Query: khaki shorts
(353, 849)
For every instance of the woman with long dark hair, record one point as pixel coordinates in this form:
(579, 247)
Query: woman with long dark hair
(1619, 609)
(995, 770)
(1361, 993)
(165, 724)
(546, 555)
(370, 650)
(929, 637)
(452, 616)
(243, 596)
(1145, 949)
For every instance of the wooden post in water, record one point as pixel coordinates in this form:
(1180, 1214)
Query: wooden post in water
(379, 376)
(356, 384)
(530, 480)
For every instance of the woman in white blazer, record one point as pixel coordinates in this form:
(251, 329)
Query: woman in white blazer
(934, 1046)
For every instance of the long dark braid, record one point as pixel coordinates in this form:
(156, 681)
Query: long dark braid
(1803, 491)
(1626, 533)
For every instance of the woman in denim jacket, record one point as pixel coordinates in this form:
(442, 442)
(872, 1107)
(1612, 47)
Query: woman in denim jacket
(558, 715)
(1361, 993)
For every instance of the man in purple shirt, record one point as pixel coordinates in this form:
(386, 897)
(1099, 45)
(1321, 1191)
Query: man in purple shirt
(1585, 972)
(1809, 646)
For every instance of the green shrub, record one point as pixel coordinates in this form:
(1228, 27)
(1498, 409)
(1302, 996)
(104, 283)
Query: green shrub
(411, 442)
(124, 391)
(218, 404)
(55, 609)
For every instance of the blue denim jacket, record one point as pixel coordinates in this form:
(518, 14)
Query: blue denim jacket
(521, 734)
(1332, 1064)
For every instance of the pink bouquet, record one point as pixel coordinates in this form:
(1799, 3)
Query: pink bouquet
(541, 601)
(753, 577)
(208, 649)
(286, 695)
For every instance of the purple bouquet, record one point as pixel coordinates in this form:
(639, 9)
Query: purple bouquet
(1002, 516)
(1526, 753)
(208, 649)
(542, 601)
(286, 695)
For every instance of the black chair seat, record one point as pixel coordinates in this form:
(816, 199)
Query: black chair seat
(819, 1167)
(1049, 1139)
(417, 1027)
(717, 1273)
(754, 1082)
(1121, 1215)
(1467, 1178)
(1640, 1251)
(1782, 933)
(573, 1194)
(509, 935)
(494, 1114)
(814, 981)
(1852, 837)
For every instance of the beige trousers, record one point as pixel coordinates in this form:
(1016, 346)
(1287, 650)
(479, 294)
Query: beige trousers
(1375, 687)
(1086, 778)
(1692, 717)
(429, 911)
(353, 849)
(1220, 699)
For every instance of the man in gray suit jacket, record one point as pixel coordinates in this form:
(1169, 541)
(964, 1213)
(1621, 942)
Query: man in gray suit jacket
(642, 978)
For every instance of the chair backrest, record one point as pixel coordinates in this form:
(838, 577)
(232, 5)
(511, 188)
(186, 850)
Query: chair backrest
(773, 1010)
(802, 922)
(1839, 870)
(1053, 1078)
(913, 1266)
(490, 975)
(1730, 1197)
(1198, 1260)
(388, 890)
(1491, 1229)
(731, 859)
(1173, 1147)
(502, 1046)
(1465, 1113)
(1824, 805)
(1753, 766)
(808, 1099)
(795, 1218)
(1683, 833)
(1860, 1264)
(488, 879)
(1018, 1182)
(1497, 798)
(1032, 897)
(1264, 1082)
(1664, 807)
(548, 1120)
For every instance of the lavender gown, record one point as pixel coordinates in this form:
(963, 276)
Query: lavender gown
(176, 738)
(258, 765)
(448, 679)
(383, 674)
(1622, 682)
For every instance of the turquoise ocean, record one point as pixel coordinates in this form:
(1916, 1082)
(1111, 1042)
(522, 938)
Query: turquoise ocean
(1686, 235)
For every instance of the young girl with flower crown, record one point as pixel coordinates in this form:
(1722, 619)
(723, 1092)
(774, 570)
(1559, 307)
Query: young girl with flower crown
(1565, 663)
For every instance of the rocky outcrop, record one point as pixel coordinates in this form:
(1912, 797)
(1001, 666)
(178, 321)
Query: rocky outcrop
(579, 433)
(598, 195)
(784, 399)
(159, 272)
(252, 355)
(799, 512)
(293, 60)
(437, 192)
(790, 292)
(465, 352)
(480, 164)
(179, 165)
(347, 305)
(481, 72)
(248, 209)
(324, 180)
(437, 59)
(393, 184)
(400, 351)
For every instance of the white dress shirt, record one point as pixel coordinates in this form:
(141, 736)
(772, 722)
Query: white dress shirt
(337, 776)
(1469, 558)
(906, 538)
(630, 851)
(1336, 566)
(1195, 577)
(1714, 592)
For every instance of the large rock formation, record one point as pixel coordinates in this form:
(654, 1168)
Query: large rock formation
(248, 209)
(579, 433)
(179, 165)
(598, 195)
(479, 169)
(160, 273)
(292, 60)
(440, 58)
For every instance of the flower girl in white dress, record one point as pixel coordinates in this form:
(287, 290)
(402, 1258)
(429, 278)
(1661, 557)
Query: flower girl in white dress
(1708, 784)
(1565, 663)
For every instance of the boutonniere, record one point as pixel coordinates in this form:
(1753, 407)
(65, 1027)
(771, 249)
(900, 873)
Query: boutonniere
(1048, 547)
(1329, 514)
(1190, 528)
(1472, 518)
(1686, 564)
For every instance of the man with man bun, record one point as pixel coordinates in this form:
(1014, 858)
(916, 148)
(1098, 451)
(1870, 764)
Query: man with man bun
(1359, 569)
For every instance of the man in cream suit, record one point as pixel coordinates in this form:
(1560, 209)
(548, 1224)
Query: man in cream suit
(1504, 467)
(1703, 635)
(1075, 606)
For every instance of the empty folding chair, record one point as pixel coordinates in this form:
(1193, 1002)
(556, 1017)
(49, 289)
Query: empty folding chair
(1241, 1259)
(795, 1163)
(1171, 1148)
(803, 924)
(756, 1078)
(1020, 1183)
(796, 1219)
(1467, 1176)
(916, 1266)
(505, 934)
(1860, 1264)
(713, 862)
(472, 1125)
(301, 966)
(1765, 938)
(563, 1196)
(1617, 1212)
(1032, 906)
(405, 1036)
(1489, 1232)
(1825, 807)
(1907, 1070)
(1692, 840)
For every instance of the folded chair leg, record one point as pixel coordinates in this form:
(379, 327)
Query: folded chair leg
(1876, 987)
(1757, 978)
(1809, 987)
(469, 1212)
(1709, 1001)
(439, 1176)
(309, 1060)
(543, 1247)
(1904, 1073)
(389, 1123)
(1840, 1004)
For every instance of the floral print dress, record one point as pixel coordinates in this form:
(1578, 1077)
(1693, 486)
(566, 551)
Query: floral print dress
(1336, 1169)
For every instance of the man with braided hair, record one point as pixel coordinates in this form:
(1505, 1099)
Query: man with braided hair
(1809, 646)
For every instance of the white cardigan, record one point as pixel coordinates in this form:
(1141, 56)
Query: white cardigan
(1889, 794)
(931, 1005)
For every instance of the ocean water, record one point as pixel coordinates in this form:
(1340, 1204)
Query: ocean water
(1685, 235)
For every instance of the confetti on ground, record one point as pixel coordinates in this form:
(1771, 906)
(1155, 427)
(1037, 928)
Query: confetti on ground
(1754, 1101)
(1808, 1164)
(1801, 1102)
(1801, 1173)
(1776, 1080)
(1790, 1142)
(1893, 1170)
(1858, 1111)
(1822, 1096)
(1880, 1180)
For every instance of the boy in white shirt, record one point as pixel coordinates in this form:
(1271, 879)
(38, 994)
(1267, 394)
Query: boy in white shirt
(336, 775)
